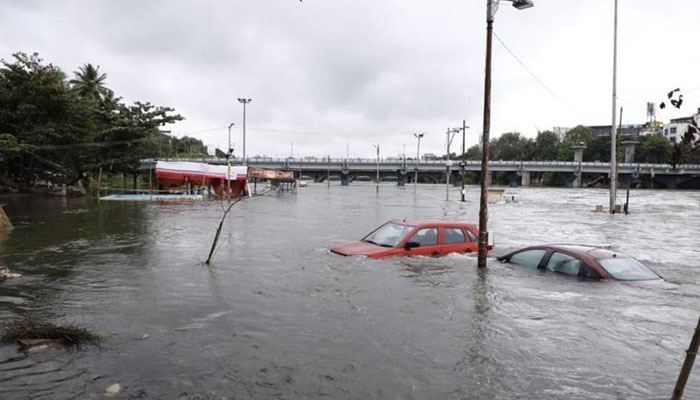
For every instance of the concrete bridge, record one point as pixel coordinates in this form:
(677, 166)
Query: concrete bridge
(519, 173)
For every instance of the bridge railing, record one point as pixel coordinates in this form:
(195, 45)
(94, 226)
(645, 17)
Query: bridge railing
(368, 162)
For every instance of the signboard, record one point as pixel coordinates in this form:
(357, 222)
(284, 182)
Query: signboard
(270, 173)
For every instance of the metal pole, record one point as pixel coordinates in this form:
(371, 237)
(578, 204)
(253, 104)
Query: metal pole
(483, 198)
(377, 146)
(328, 178)
(464, 156)
(244, 101)
(415, 180)
(447, 166)
(613, 126)
(228, 163)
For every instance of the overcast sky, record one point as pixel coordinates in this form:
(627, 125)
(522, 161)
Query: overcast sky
(327, 73)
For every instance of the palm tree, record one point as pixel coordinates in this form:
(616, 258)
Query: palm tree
(89, 82)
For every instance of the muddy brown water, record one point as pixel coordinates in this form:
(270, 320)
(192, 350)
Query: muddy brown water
(278, 316)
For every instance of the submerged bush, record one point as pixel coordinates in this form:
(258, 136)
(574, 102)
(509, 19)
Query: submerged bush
(71, 335)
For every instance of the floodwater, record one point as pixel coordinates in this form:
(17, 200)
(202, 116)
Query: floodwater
(277, 316)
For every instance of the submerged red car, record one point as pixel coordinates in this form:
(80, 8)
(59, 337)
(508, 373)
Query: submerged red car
(414, 238)
(582, 261)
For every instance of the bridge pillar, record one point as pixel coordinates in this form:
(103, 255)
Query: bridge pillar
(624, 179)
(344, 177)
(525, 178)
(456, 178)
(569, 179)
(514, 178)
(629, 146)
(401, 177)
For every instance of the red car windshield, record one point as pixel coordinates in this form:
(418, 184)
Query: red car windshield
(627, 269)
(388, 235)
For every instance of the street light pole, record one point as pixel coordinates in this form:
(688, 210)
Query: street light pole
(491, 7)
(613, 126)
(415, 179)
(228, 161)
(244, 101)
(377, 146)
(463, 164)
(448, 162)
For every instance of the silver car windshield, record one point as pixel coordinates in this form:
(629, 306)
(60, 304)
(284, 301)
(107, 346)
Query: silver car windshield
(627, 269)
(389, 235)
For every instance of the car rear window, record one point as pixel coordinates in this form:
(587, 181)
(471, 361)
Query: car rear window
(454, 235)
(529, 258)
(563, 264)
(627, 269)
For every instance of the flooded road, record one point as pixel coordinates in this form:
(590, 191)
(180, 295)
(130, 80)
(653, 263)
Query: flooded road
(278, 316)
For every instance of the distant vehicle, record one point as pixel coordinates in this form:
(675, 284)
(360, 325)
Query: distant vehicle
(582, 261)
(413, 238)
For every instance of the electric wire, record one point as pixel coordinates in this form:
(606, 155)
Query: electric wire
(537, 79)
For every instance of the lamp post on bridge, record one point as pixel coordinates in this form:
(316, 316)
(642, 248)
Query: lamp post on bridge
(244, 101)
(415, 180)
(228, 161)
(491, 7)
(448, 162)
(377, 147)
(463, 164)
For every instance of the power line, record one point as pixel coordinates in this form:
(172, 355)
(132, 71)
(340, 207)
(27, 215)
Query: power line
(532, 74)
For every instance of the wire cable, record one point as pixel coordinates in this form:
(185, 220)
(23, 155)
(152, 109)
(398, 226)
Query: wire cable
(532, 74)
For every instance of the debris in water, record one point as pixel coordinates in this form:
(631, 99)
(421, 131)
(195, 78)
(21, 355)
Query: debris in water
(6, 274)
(113, 390)
(36, 345)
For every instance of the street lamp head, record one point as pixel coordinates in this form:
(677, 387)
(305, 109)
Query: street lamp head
(231, 125)
(418, 135)
(244, 100)
(522, 4)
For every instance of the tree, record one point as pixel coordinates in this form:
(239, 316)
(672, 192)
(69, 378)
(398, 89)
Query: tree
(598, 149)
(579, 135)
(473, 153)
(44, 124)
(54, 131)
(545, 148)
(509, 146)
(688, 150)
(654, 149)
(89, 83)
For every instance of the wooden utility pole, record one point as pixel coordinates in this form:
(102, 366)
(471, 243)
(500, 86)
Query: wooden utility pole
(687, 364)
(483, 197)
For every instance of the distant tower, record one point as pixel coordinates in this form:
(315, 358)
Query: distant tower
(651, 112)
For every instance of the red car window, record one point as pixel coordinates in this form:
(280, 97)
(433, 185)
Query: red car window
(426, 237)
(472, 236)
(454, 235)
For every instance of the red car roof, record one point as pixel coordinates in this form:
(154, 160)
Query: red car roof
(420, 222)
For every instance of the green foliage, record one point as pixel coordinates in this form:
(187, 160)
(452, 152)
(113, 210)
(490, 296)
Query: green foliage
(653, 149)
(474, 153)
(545, 148)
(509, 146)
(578, 135)
(59, 131)
(565, 152)
(89, 83)
(598, 149)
